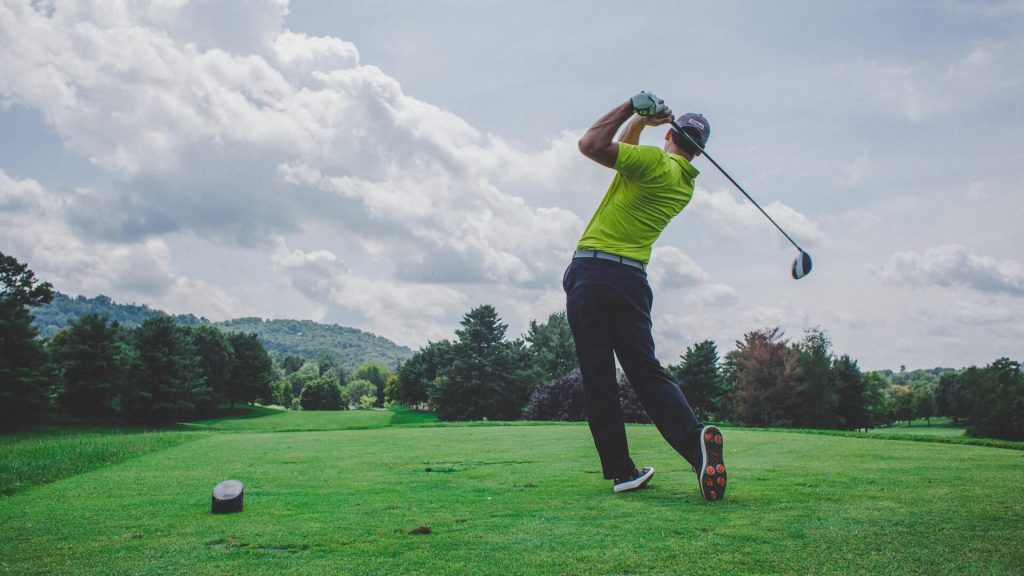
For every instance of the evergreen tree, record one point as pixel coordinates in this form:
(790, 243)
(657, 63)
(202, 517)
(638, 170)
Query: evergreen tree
(88, 366)
(167, 384)
(818, 402)
(23, 373)
(552, 349)
(216, 357)
(417, 374)
(699, 379)
(251, 371)
(486, 377)
(850, 386)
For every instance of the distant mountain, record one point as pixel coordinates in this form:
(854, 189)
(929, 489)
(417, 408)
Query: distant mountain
(307, 339)
(304, 338)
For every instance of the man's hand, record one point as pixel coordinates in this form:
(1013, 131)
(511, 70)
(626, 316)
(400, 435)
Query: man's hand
(647, 104)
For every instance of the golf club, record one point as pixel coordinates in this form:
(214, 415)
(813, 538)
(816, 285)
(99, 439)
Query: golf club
(802, 264)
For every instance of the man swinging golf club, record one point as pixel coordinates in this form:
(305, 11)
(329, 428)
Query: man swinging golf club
(608, 299)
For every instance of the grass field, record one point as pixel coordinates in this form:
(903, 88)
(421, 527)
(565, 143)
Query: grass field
(515, 500)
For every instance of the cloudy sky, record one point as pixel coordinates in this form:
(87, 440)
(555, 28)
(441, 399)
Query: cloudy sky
(389, 165)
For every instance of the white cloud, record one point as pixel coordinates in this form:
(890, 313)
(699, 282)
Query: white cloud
(733, 215)
(408, 313)
(33, 229)
(951, 265)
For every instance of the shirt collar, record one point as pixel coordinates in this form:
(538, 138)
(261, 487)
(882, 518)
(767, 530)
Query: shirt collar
(688, 168)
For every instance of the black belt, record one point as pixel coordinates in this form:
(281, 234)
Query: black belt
(612, 257)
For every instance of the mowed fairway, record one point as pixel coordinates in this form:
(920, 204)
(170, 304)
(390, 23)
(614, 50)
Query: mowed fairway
(524, 500)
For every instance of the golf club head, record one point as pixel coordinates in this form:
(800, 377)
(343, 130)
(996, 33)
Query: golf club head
(802, 265)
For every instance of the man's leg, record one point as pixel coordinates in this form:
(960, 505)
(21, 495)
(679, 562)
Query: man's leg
(659, 394)
(590, 310)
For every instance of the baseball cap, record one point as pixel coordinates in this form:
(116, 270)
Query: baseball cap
(698, 127)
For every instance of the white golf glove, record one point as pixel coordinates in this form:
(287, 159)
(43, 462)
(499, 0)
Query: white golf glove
(647, 104)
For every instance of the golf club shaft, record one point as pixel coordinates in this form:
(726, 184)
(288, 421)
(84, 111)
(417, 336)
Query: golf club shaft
(735, 183)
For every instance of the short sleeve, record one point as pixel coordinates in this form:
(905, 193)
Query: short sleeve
(638, 163)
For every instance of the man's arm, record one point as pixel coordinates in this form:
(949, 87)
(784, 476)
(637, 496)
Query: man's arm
(598, 143)
(631, 130)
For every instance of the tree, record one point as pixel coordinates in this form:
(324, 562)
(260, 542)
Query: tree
(818, 402)
(321, 393)
(699, 379)
(327, 363)
(417, 374)
(292, 363)
(850, 386)
(902, 403)
(486, 377)
(251, 372)
(876, 399)
(296, 381)
(357, 389)
(765, 373)
(377, 374)
(23, 374)
(216, 357)
(998, 400)
(88, 366)
(552, 349)
(924, 404)
(561, 400)
(167, 384)
(952, 398)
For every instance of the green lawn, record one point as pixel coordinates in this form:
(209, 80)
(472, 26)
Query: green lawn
(937, 427)
(268, 419)
(522, 500)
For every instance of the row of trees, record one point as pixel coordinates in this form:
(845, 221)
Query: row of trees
(765, 381)
(483, 374)
(324, 385)
(157, 373)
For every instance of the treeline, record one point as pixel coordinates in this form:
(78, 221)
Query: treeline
(765, 381)
(304, 338)
(157, 373)
(95, 370)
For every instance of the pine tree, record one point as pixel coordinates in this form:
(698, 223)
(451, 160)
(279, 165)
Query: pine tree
(818, 400)
(23, 373)
(88, 364)
(167, 383)
(552, 349)
(252, 370)
(487, 376)
(699, 378)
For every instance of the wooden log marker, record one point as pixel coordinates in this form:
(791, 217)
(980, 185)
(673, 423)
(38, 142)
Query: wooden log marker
(227, 497)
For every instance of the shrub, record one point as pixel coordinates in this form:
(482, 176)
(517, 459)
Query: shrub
(321, 394)
(560, 400)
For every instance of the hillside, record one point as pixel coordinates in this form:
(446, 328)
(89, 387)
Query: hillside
(303, 338)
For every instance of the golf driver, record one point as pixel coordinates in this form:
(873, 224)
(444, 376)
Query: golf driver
(802, 264)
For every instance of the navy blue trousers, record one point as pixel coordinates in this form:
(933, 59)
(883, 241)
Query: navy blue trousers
(609, 309)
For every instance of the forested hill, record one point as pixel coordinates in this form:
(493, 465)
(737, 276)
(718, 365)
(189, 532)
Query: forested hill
(307, 339)
(304, 338)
